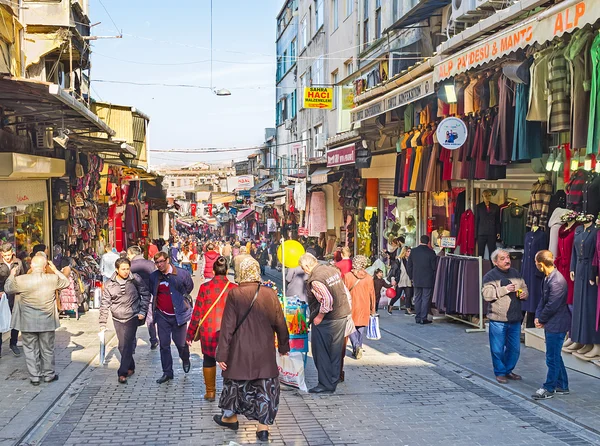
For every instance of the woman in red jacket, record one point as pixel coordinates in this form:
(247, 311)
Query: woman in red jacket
(210, 258)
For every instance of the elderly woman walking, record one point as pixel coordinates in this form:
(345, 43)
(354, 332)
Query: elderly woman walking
(362, 290)
(128, 298)
(206, 322)
(252, 317)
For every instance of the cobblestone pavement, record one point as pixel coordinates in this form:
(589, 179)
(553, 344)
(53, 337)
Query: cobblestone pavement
(404, 391)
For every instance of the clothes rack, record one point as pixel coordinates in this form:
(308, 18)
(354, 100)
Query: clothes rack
(479, 327)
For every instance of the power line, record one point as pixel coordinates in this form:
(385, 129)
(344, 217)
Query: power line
(226, 149)
(110, 17)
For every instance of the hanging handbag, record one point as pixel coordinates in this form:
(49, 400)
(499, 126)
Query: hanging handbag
(197, 334)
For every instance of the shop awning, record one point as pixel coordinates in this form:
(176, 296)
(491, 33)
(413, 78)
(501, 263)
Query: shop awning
(319, 176)
(403, 95)
(420, 12)
(46, 104)
(20, 165)
(244, 214)
(223, 200)
(203, 196)
(262, 184)
(566, 17)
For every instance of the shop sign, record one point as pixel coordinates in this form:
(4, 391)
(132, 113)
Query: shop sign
(318, 97)
(452, 133)
(271, 225)
(404, 95)
(240, 182)
(448, 242)
(542, 28)
(341, 156)
(21, 193)
(303, 232)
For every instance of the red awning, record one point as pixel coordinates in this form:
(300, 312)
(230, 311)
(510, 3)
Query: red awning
(244, 214)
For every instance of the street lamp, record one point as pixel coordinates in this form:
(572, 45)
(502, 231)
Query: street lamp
(222, 92)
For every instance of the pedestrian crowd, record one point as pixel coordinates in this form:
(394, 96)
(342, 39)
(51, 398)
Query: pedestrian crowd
(237, 322)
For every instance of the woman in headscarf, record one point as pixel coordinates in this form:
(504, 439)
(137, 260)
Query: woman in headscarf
(252, 317)
(362, 290)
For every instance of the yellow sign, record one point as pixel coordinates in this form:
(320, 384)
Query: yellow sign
(316, 97)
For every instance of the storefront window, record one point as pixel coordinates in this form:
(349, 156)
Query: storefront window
(367, 233)
(399, 219)
(22, 226)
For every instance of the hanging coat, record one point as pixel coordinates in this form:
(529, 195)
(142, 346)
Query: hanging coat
(585, 297)
(466, 233)
(534, 242)
(566, 237)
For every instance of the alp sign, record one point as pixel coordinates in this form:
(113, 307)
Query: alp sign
(316, 97)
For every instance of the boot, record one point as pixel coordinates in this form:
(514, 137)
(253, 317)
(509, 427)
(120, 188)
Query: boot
(210, 382)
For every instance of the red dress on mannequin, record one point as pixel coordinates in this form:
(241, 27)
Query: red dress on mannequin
(566, 236)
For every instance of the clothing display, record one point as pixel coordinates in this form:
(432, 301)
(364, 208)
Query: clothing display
(534, 242)
(558, 88)
(554, 225)
(585, 296)
(591, 194)
(562, 260)
(527, 140)
(456, 288)
(593, 137)
(538, 98)
(466, 233)
(513, 224)
(539, 204)
(574, 190)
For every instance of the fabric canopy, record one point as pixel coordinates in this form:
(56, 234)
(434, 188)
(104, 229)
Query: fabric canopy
(244, 214)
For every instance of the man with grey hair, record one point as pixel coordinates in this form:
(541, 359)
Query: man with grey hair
(36, 316)
(329, 307)
(504, 289)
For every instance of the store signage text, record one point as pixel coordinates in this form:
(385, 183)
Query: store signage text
(240, 182)
(341, 156)
(318, 97)
(22, 198)
(448, 242)
(533, 30)
(406, 94)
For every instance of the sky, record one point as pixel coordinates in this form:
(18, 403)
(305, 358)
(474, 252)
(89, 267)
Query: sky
(168, 42)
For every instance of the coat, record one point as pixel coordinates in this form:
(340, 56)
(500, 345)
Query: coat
(35, 301)
(209, 261)
(466, 233)
(126, 302)
(143, 268)
(534, 242)
(552, 310)
(361, 287)
(181, 285)
(210, 329)
(344, 265)
(250, 354)
(562, 261)
(295, 279)
(421, 266)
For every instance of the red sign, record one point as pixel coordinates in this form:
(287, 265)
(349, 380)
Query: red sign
(210, 207)
(303, 232)
(194, 207)
(341, 155)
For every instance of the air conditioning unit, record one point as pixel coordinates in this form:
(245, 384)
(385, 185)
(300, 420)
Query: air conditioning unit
(43, 138)
(494, 5)
(320, 142)
(464, 10)
(288, 124)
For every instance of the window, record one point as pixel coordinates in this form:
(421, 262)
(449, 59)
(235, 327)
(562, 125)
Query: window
(317, 78)
(349, 67)
(365, 24)
(349, 7)
(279, 69)
(302, 87)
(396, 10)
(284, 64)
(334, 14)
(318, 15)
(378, 20)
(292, 106)
(336, 96)
(316, 138)
(303, 34)
(293, 52)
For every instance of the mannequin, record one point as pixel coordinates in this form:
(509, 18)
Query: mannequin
(436, 238)
(585, 293)
(487, 224)
(594, 352)
(565, 238)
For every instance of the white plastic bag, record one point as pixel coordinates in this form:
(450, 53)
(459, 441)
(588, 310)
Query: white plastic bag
(4, 314)
(384, 301)
(373, 332)
(291, 370)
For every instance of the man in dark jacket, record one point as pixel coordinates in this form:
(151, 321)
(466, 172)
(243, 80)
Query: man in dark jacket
(554, 317)
(7, 263)
(172, 309)
(421, 267)
(143, 268)
(329, 305)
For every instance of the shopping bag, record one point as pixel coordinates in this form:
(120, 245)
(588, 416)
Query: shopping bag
(373, 332)
(102, 347)
(384, 300)
(291, 370)
(4, 314)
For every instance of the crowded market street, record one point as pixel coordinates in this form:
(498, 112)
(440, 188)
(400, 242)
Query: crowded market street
(415, 386)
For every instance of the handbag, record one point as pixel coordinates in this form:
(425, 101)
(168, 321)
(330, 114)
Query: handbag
(247, 312)
(197, 334)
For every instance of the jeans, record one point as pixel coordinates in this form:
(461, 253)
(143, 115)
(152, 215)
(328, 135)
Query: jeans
(167, 330)
(557, 373)
(188, 268)
(126, 335)
(356, 338)
(505, 345)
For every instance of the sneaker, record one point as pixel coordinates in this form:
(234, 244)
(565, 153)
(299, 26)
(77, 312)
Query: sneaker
(542, 394)
(16, 351)
(359, 353)
(561, 391)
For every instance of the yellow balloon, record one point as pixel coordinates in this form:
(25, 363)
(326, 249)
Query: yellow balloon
(293, 252)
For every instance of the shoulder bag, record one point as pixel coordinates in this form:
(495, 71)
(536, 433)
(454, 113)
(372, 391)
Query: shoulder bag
(197, 334)
(355, 283)
(247, 312)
